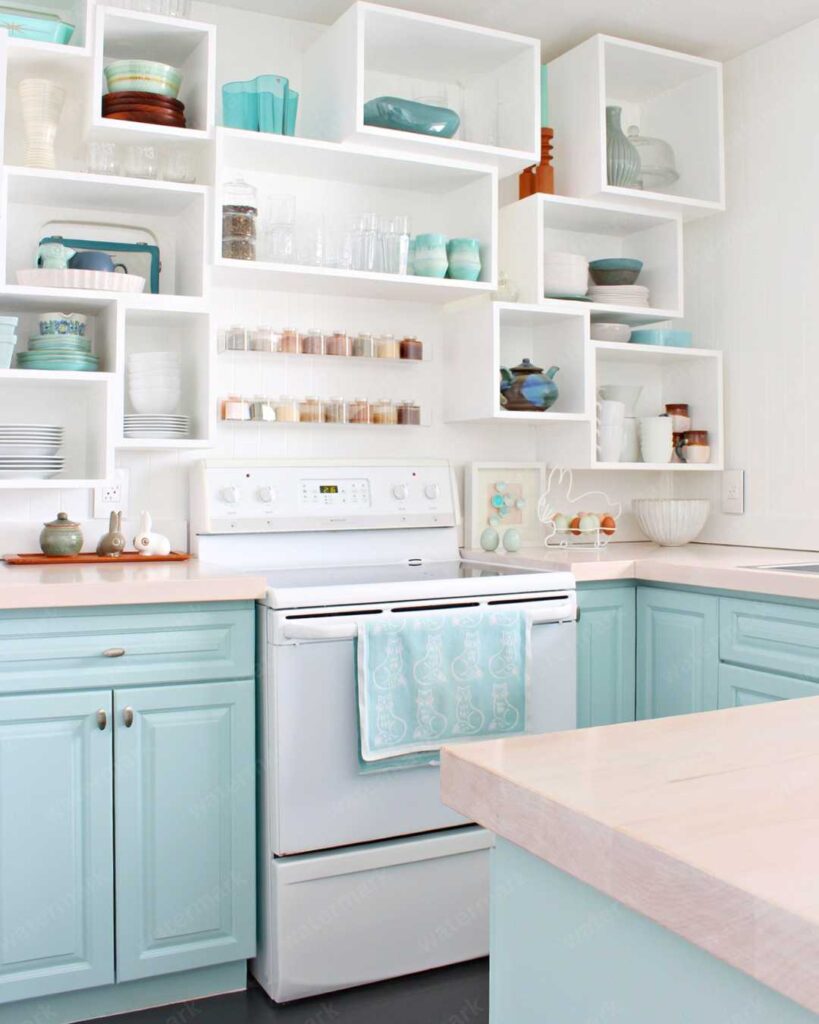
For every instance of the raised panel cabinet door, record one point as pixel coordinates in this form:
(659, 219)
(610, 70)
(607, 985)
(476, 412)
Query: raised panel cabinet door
(606, 640)
(677, 652)
(56, 844)
(739, 687)
(185, 799)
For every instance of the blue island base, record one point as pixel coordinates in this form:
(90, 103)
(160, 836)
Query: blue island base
(561, 952)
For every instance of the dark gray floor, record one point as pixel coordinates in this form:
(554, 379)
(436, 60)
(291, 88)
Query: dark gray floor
(454, 994)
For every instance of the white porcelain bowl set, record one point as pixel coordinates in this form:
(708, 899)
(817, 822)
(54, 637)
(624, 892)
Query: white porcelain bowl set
(154, 382)
(30, 450)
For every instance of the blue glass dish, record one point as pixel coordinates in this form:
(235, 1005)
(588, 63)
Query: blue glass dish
(263, 104)
(408, 116)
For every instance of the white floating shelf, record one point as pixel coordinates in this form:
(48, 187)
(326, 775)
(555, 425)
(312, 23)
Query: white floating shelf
(54, 376)
(670, 96)
(36, 56)
(161, 444)
(491, 78)
(635, 353)
(656, 467)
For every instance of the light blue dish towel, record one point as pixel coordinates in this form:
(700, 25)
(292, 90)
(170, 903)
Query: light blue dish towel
(430, 678)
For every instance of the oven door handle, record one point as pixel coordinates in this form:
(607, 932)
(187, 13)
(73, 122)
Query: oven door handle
(320, 630)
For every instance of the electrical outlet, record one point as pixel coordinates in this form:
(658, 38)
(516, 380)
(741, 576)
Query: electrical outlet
(733, 492)
(112, 495)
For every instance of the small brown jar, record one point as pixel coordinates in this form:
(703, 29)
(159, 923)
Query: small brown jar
(333, 411)
(384, 412)
(695, 447)
(412, 348)
(290, 341)
(408, 414)
(310, 410)
(337, 344)
(312, 343)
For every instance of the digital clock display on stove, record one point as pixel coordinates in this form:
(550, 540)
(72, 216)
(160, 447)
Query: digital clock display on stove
(328, 488)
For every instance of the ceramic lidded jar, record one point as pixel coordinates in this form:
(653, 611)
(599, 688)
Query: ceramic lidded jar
(61, 537)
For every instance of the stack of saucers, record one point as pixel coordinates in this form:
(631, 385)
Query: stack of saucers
(157, 427)
(619, 294)
(30, 450)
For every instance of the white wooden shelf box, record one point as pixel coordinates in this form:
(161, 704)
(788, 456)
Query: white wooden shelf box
(492, 79)
(544, 223)
(670, 96)
(483, 336)
(333, 183)
(678, 375)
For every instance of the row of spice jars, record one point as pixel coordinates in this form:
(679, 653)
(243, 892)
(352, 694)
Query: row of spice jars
(312, 409)
(317, 343)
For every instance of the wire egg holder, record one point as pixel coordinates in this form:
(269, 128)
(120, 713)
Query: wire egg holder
(573, 507)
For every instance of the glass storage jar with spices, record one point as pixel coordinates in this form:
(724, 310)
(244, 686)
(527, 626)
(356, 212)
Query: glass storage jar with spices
(363, 346)
(411, 348)
(239, 213)
(312, 343)
(310, 409)
(408, 414)
(333, 410)
(290, 341)
(358, 411)
(287, 409)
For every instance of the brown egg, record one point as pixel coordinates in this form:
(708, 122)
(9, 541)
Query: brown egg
(574, 526)
(608, 525)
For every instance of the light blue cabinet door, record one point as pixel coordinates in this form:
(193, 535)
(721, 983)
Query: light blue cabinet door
(739, 687)
(56, 844)
(185, 827)
(677, 652)
(606, 655)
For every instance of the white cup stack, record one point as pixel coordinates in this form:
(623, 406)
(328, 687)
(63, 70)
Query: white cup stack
(565, 275)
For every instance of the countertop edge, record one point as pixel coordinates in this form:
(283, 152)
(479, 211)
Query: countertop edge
(759, 938)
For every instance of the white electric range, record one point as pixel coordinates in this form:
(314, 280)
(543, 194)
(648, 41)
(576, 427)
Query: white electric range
(363, 875)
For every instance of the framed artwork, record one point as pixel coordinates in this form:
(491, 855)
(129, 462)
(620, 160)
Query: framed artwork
(503, 496)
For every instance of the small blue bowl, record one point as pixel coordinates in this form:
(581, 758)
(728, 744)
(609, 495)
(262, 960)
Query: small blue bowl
(615, 271)
(616, 263)
(661, 336)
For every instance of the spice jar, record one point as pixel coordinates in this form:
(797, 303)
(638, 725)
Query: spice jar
(235, 408)
(411, 348)
(312, 343)
(235, 339)
(287, 409)
(363, 346)
(310, 410)
(337, 344)
(333, 411)
(261, 340)
(387, 347)
(290, 341)
(408, 413)
(239, 213)
(262, 410)
(384, 412)
(695, 448)
(358, 411)
(680, 419)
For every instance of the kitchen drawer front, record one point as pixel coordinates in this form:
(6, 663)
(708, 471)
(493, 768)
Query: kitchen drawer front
(774, 637)
(147, 644)
(740, 687)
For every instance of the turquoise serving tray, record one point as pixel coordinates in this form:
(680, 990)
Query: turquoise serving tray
(409, 116)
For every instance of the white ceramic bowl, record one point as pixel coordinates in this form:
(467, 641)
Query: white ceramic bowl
(564, 259)
(671, 522)
(565, 280)
(157, 402)
(610, 332)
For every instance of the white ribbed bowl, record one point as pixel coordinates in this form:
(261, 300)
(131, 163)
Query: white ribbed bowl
(671, 521)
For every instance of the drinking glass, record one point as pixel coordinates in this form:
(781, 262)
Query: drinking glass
(102, 158)
(179, 166)
(310, 243)
(142, 162)
(278, 230)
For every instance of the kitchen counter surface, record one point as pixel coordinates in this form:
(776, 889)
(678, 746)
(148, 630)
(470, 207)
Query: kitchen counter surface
(695, 565)
(65, 586)
(707, 824)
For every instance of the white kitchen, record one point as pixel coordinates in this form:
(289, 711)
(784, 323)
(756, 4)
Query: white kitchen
(409, 605)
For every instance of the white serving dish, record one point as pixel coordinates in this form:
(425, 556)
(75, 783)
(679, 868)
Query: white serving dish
(610, 332)
(671, 522)
(93, 280)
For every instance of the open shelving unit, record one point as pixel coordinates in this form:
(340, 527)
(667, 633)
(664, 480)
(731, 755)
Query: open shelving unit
(668, 95)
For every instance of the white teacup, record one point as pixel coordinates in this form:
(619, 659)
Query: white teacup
(656, 440)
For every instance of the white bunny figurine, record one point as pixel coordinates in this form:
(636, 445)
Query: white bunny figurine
(148, 543)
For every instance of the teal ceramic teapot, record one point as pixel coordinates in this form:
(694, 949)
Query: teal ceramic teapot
(526, 388)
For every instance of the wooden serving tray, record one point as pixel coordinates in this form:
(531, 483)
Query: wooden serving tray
(126, 556)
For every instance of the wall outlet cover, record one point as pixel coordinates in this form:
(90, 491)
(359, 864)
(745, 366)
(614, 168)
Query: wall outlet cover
(733, 492)
(111, 495)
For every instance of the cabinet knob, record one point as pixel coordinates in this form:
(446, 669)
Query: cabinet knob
(114, 652)
(102, 719)
(128, 717)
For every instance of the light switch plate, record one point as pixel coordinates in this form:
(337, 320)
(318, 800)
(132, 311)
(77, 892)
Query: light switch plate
(733, 492)
(112, 495)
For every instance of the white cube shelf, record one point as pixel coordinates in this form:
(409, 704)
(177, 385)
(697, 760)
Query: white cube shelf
(491, 78)
(666, 375)
(482, 336)
(331, 183)
(668, 95)
(101, 325)
(541, 223)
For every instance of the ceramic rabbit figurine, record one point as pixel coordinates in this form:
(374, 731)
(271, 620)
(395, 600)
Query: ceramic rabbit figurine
(148, 543)
(112, 544)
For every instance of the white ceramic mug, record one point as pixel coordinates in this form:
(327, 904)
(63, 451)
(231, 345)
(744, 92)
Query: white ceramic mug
(630, 452)
(656, 441)
(610, 420)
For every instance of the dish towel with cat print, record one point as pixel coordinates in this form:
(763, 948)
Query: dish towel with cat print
(430, 678)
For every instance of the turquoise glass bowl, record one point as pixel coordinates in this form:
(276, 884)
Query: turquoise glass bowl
(661, 336)
(409, 116)
(143, 76)
(263, 104)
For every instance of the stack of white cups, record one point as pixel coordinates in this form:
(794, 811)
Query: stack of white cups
(610, 421)
(154, 382)
(42, 103)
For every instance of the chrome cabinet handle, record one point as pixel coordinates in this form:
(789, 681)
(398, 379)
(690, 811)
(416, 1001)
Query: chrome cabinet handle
(128, 717)
(114, 652)
(102, 719)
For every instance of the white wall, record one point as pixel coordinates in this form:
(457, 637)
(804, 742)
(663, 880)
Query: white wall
(751, 276)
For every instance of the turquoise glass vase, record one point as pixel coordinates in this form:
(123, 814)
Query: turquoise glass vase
(622, 158)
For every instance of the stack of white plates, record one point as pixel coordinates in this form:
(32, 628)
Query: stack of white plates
(154, 382)
(30, 450)
(157, 427)
(619, 294)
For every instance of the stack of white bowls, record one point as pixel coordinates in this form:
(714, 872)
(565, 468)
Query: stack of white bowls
(565, 275)
(154, 382)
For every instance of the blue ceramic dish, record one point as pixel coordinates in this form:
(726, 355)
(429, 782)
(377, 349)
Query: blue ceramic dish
(661, 336)
(408, 116)
(25, 24)
(615, 271)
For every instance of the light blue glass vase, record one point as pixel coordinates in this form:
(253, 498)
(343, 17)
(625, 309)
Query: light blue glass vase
(622, 158)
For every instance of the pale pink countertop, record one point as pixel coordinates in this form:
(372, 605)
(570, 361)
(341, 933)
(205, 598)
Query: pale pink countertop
(696, 565)
(63, 586)
(708, 824)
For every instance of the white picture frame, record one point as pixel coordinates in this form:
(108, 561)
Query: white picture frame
(526, 480)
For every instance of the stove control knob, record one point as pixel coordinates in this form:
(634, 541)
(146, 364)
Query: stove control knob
(400, 492)
(432, 491)
(266, 494)
(230, 495)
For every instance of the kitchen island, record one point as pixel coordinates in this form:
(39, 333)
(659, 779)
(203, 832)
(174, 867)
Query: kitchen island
(654, 871)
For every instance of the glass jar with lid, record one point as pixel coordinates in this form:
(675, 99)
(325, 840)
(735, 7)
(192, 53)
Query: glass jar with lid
(384, 412)
(236, 339)
(658, 166)
(408, 413)
(333, 410)
(363, 346)
(312, 343)
(411, 348)
(290, 341)
(337, 344)
(287, 409)
(387, 347)
(358, 411)
(239, 213)
(310, 409)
